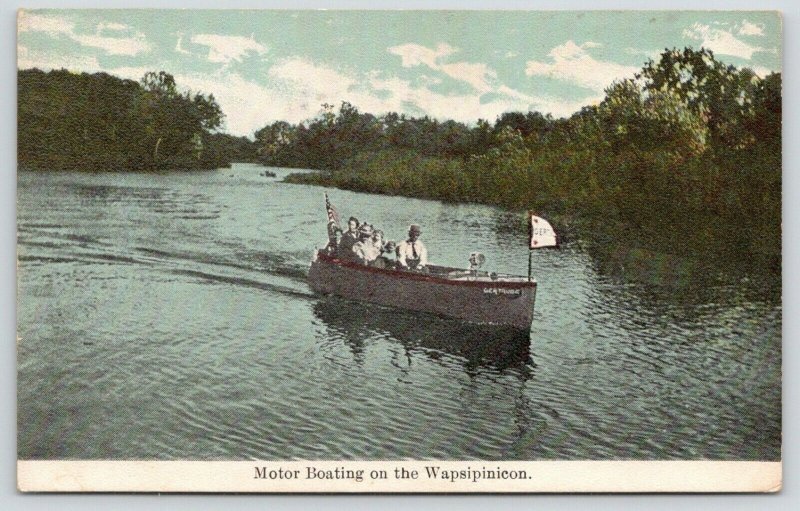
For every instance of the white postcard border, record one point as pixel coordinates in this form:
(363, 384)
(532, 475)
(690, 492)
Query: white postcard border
(398, 476)
(31, 473)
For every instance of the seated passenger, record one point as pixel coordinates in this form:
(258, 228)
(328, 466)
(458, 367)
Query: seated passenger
(377, 240)
(382, 247)
(386, 261)
(411, 253)
(364, 249)
(349, 238)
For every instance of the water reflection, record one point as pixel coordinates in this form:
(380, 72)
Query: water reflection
(682, 271)
(499, 348)
(666, 277)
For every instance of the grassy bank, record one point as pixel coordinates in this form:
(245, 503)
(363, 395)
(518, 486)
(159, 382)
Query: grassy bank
(636, 212)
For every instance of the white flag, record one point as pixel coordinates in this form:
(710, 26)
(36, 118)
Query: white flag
(542, 233)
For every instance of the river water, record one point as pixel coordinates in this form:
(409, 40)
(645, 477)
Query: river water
(167, 317)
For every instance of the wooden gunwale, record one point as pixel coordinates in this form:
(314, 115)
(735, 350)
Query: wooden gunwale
(411, 275)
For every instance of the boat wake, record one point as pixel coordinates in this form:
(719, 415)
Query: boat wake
(232, 265)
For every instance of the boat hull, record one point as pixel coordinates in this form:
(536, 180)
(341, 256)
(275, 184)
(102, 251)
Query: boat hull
(497, 302)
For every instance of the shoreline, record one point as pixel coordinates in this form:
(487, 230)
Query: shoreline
(628, 256)
(106, 170)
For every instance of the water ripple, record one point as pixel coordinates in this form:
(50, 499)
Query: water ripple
(168, 317)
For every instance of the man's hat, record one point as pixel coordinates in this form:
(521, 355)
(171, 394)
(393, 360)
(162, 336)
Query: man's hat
(415, 228)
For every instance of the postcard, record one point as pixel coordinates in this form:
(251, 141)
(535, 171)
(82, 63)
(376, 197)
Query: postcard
(302, 251)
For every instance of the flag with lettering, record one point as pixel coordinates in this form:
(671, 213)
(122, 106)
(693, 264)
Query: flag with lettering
(541, 233)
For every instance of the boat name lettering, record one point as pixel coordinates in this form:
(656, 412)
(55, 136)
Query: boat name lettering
(501, 291)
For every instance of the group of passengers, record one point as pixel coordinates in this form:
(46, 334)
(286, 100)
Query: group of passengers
(365, 244)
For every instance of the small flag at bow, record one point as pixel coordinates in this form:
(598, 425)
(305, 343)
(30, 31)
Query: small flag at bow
(541, 233)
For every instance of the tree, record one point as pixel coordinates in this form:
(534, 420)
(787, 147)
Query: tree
(98, 121)
(208, 112)
(273, 138)
(651, 120)
(531, 124)
(721, 94)
(161, 84)
(173, 121)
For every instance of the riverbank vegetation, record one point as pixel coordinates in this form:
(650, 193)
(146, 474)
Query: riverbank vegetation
(685, 159)
(98, 122)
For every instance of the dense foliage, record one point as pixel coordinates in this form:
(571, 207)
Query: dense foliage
(91, 122)
(685, 158)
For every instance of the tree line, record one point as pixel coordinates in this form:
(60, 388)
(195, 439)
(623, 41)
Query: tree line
(685, 157)
(90, 122)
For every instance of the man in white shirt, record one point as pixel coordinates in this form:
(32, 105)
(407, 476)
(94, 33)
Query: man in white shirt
(411, 253)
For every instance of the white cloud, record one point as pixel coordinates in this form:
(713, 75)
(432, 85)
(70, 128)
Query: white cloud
(560, 107)
(753, 29)
(721, 42)
(297, 88)
(306, 75)
(570, 62)
(403, 97)
(429, 80)
(761, 71)
(415, 54)
(476, 74)
(307, 85)
(129, 72)
(179, 46)
(29, 22)
(27, 59)
(112, 27)
(247, 105)
(293, 89)
(224, 49)
(512, 93)
(650, 54)
(132, 44)
(291, 94)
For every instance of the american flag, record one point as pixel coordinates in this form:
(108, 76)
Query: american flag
(333, 215)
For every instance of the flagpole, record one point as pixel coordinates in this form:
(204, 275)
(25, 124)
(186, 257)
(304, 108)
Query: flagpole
(530, 256)
(530, 240)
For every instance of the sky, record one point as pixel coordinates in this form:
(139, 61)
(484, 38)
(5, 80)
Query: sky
(264, 66)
